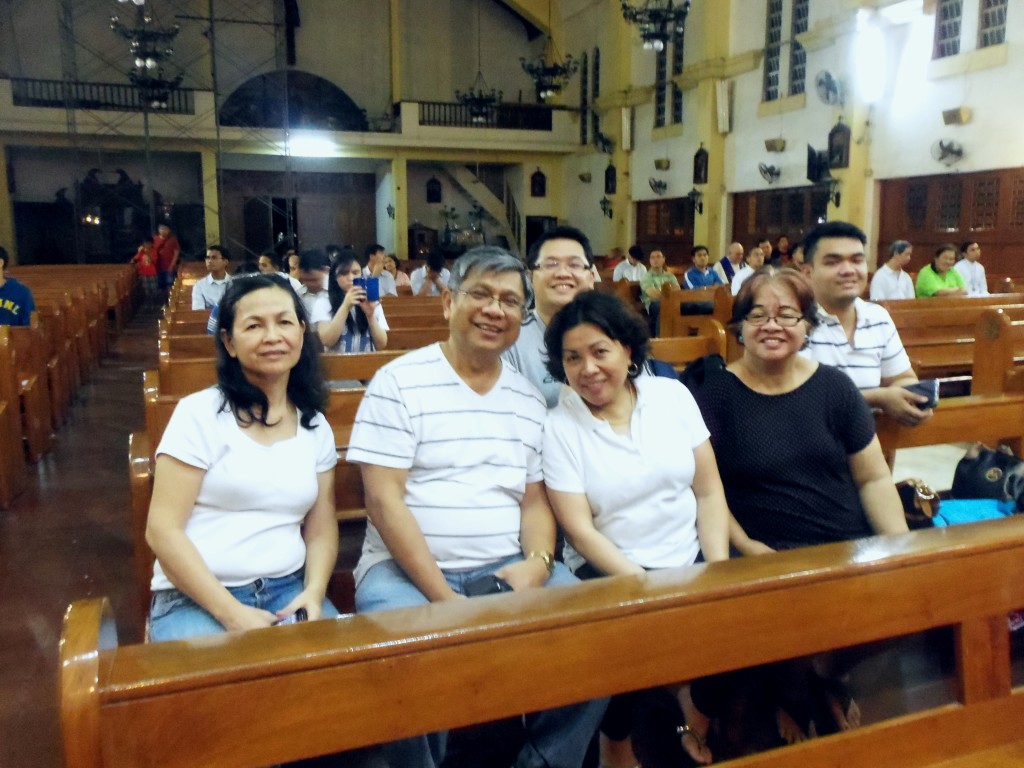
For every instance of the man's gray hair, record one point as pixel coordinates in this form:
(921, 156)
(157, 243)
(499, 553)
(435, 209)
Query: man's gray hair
(898, 247)
(490, 258)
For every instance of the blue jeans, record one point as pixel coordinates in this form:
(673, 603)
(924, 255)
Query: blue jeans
(173, 615)
(557, 738)
(165, 279)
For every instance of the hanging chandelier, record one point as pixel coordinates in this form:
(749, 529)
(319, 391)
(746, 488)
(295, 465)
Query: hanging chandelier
(549, 72)
(150, 47)
(479, 99)
(659, 21)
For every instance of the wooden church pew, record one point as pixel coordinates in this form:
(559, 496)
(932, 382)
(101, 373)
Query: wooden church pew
(287, 693)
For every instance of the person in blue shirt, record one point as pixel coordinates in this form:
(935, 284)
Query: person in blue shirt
(16, 302)
(700, 275)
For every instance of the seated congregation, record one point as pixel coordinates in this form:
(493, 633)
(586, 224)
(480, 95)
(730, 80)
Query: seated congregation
(476, 452)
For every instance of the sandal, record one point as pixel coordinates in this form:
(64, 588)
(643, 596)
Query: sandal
(837, 704)
(702, 755)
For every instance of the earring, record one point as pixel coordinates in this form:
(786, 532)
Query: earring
(739, 338)
(633, 370)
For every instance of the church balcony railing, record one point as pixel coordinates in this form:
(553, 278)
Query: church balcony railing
(525, 117)
(110, 97)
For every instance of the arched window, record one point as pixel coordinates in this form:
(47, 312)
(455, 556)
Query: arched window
(307, 100)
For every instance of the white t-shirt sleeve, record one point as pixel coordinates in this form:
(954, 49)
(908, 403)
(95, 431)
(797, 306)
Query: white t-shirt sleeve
(690, 411)
(191, 435)
(387, 284)
(383, 432)
(326, 453)
(378, 315)
(895, 359)
(877, 292)
(416, 280)
(321, 311)
(563, 465)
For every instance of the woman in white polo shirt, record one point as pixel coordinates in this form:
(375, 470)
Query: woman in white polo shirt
(628, 463)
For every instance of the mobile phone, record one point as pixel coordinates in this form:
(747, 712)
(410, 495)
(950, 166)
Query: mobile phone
(928, 388)
(295, 618)
(486, 585)
(369, 284)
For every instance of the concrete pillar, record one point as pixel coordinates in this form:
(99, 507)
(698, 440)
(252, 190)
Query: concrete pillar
(211, 196)
(400, 194)
(395, 42)
(713, 31)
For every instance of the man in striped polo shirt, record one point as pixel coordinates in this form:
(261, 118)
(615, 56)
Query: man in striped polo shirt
(449, 439)
(854, 335)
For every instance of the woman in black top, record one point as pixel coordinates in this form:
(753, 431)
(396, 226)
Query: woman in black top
(803, 465)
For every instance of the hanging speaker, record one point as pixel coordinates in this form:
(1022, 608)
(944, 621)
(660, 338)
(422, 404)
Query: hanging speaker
(958, 116)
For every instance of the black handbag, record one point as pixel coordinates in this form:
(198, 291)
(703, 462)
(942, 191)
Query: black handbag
(920, 503)
(984, 473)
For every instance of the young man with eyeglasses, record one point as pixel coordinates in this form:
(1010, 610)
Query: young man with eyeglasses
(449, 439)
(857, 336)
(560, 263)
(208, 291)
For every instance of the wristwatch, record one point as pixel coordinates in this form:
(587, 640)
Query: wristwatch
(547, 557)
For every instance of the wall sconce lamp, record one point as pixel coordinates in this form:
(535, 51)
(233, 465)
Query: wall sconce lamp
(606, 207)
(391, 211)
(662, 164)
(834, 192)
(697, 198)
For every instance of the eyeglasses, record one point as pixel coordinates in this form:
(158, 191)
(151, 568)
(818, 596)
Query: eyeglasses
(481, 298)
(785, 319)
(551, 265)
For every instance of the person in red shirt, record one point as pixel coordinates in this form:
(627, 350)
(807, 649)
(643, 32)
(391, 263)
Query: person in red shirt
(145, 265)
(167, 249)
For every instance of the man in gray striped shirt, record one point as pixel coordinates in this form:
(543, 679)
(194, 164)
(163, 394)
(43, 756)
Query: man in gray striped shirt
(449, 439)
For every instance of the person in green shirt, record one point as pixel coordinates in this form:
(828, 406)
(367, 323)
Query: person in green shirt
(650, 289)
(939, 278)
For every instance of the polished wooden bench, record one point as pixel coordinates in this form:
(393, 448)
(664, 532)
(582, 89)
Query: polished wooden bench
(938, 333)
(679, 351)
(998, 353)
(673, 299)
(627, 291)
(12, 451)
(182, 373)
(287, 693)
(115, 284)
(33, 387)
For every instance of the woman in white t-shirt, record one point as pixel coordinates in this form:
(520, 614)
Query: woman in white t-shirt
(242, 515)
(628, 466)
(345, 321)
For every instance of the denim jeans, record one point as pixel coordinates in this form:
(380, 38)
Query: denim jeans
(557, 738)
(173, 615)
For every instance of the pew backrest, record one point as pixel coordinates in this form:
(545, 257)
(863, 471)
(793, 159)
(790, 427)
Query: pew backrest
(324, 687)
